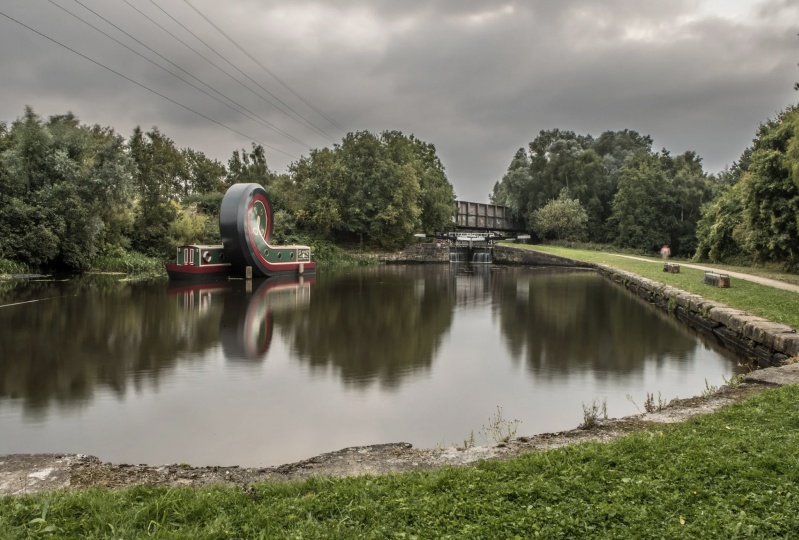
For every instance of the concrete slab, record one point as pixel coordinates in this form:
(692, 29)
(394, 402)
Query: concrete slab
(775, 376)
(22, 474)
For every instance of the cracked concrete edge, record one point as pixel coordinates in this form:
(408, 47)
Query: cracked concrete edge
(22, 474)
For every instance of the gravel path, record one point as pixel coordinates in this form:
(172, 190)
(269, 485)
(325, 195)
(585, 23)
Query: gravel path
(748, 277)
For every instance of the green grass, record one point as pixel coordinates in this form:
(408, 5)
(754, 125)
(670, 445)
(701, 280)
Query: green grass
(12, 267)
(773, 304)
(130, 262)
(329, 256)
(730, 474)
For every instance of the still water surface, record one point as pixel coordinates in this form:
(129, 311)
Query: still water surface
(222, 375)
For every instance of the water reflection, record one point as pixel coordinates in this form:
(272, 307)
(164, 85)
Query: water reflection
(374, 326)
(566, 322)
(83, 333)
(424, 354)
(60, 341)
(248, 319)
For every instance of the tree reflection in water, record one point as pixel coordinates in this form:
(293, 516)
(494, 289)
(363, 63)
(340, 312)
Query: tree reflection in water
(373, 326)
(379, 326)
(89, 332)
(564, 322)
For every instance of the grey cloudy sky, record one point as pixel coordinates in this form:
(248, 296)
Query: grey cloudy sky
(477, 78)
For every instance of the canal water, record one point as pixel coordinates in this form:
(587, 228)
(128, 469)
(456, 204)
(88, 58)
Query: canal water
(227, 374)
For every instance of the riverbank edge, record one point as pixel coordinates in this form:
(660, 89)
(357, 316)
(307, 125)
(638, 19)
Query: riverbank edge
(33, 473)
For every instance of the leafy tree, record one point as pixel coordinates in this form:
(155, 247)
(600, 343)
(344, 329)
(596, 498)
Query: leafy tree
(436, 199)
(514, 191)
(564, 218)
(62, 185)
(192, 226)
(641, 208)
(319, 179)
(379, 189)
(771, 192)
(204, 175)
(587, 167)
(159, 178)
(249, 167)
(721, 229)
(755, 215)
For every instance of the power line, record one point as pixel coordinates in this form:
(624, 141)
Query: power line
(145, 87)
(257, 119)
(299, 117)
(266, 69)
(198, 53)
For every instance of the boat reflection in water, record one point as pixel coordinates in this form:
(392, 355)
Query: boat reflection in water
(248, 309)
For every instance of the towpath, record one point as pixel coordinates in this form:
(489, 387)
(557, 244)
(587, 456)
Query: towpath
(738, 275)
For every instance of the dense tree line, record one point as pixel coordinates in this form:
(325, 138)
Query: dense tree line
(71, 193)
(609, 189)
(615, 190)
(756, 215)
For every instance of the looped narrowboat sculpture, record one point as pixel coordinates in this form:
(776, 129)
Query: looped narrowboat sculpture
(245, 224)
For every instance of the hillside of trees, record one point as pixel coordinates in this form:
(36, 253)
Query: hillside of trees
(72, 193)
(614, 189)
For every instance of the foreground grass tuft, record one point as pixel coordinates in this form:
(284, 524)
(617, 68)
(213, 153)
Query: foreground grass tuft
(733, 473)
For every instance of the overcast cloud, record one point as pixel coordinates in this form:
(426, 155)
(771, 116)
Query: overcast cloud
(477, 78)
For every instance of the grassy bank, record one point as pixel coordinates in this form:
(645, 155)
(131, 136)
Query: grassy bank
(733, 473)
(135, 264)
(773, 304)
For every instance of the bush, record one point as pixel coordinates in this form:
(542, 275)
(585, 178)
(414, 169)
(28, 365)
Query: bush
(131, 262)
(12, 267)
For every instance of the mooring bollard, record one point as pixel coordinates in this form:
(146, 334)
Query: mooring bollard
(717, 280)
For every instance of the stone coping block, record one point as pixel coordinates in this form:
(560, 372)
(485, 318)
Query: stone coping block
(724, 314)
(766, 332)
(787, 343)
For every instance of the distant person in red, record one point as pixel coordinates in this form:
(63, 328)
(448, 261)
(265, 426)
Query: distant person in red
(665, 252)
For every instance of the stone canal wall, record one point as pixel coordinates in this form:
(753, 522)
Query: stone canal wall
(420, 253)
(769, 343)
(511, 255)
